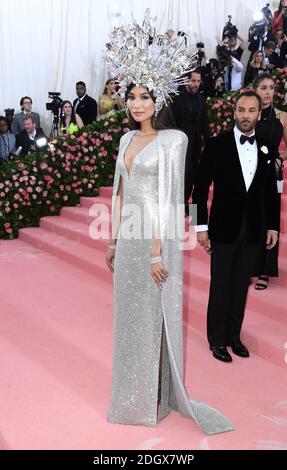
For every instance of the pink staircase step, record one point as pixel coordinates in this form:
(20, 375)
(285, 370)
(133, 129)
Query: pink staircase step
(269, 304)
(85, 215)
(91, 201)
(106, 191)
(68, 250)
(75, 231)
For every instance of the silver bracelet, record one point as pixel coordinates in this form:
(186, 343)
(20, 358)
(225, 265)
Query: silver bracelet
(156, 260)
(112, 247)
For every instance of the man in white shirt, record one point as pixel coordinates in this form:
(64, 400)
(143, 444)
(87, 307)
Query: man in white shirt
(233, 74)
(242, 220)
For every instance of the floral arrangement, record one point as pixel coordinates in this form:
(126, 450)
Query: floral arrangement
(40, 184)
(280, 99)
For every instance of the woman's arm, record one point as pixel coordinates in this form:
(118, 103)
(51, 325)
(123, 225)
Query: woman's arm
(101, 106)
(79, 121)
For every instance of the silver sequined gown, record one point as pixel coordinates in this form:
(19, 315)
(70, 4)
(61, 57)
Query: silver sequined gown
(147, 348)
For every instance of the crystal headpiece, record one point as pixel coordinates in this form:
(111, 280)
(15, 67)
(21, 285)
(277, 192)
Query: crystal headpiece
(138, 55)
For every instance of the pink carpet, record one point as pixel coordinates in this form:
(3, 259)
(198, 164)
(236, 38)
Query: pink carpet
(56, 349)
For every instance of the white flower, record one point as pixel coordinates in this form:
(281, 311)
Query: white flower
(264, 150)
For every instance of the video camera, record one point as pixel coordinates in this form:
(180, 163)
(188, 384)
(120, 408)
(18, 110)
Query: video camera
(258, 28)
(55, 104)
(229, 30)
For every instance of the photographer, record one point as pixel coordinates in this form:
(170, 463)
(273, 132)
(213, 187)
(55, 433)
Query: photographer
(7, 140)
(230, 39)
(259, 35)
(236, 52)
(212, 70)
(271, 59)
(280, 17)
(28, 138)
(280, 41)
(232, 69)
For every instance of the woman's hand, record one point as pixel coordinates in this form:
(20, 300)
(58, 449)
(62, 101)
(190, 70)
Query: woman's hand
(159, 274)
(110, 255)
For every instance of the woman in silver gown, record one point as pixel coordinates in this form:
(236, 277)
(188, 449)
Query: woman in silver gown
(148, 192)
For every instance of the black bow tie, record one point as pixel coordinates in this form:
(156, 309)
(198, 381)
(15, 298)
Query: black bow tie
(244, 139)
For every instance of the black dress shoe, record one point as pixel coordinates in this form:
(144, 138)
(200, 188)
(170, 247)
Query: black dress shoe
(239, 349)
(221, 353)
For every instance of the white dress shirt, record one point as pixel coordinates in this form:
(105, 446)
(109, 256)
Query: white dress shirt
(248, 156)
(236, 74)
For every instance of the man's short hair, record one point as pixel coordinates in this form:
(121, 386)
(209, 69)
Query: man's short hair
(249, 94)
(198, 71)
(29, 116)
(81, 83)
(3, 118)
(25, 98)
(270, 45)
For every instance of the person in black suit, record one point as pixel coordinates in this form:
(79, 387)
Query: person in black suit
(28, 138)
(243, 210)
(189, 112)
(85, 106)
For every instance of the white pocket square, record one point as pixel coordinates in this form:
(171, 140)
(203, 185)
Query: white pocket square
(269, 161)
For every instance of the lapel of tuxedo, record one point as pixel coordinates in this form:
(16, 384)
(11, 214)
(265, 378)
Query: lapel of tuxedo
(236, 160)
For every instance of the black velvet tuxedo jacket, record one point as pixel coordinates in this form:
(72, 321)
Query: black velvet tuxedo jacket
(220, 165)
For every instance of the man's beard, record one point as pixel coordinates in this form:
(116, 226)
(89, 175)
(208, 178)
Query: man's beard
(250, 128)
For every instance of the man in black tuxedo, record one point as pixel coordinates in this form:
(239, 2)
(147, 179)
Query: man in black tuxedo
(85, 106)
(189, 111)
(29, 137)
(243, 210)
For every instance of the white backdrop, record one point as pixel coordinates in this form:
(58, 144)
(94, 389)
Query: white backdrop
(48, 45)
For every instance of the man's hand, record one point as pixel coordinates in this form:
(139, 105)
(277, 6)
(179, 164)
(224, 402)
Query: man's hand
(272, 239)
(203, 239)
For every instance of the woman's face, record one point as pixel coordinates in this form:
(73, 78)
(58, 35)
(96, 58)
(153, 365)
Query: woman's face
(266, 90)
(284, 3)
(259, 58)
(219, 83)
(140, 104)
(279, 35)
(67, 109)
(111, 87)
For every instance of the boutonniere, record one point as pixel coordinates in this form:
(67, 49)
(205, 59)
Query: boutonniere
(264, 150)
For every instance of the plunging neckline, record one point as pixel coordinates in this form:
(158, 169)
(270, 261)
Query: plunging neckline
(137, 154)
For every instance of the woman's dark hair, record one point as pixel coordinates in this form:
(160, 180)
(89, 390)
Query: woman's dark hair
(163, 121)
(249, 94)
(105, 92)
(280, 6)
(63, 117)
(263, 76)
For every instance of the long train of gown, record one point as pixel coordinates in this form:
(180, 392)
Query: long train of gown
(147, 336)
